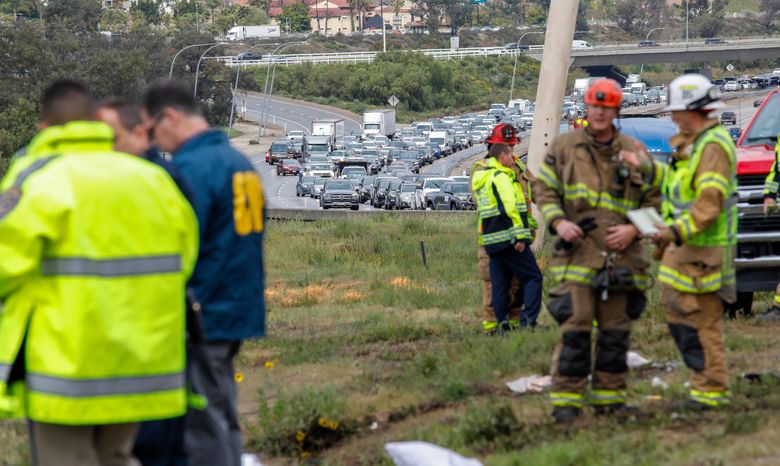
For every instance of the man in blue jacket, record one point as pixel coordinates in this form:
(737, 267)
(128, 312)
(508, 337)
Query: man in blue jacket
(228, 278)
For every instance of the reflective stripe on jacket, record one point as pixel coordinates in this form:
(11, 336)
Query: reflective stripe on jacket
(501, 206)
(703, 261)
(772, 182)
(580, 179)
(95, 250)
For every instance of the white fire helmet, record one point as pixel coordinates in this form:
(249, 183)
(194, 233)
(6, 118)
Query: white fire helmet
(693, 92)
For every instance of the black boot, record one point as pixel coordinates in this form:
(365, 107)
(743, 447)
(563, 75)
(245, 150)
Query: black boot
(772, 315)
(615, 409)
(565, 414)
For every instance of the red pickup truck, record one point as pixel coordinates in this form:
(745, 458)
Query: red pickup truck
(758, 248)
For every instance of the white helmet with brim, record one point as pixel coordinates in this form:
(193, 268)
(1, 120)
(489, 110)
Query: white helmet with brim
(693, 92)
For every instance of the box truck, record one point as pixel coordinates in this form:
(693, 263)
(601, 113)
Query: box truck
(331, 127)
(253, 32)
(380, 122)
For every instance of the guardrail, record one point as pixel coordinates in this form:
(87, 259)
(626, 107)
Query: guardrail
(449, 54)
(318, 215)
(368, 57)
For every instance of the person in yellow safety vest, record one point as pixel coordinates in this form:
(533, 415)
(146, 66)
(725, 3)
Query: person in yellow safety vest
(489, 325)
(771, 187)
(584, 194)
(504, 230)
(95, 250)
(581, 122)
(697, 266)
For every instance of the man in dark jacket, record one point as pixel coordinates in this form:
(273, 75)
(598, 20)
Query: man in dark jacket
(228, 278)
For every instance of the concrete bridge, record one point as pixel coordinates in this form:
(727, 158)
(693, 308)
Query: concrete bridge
(677, 52)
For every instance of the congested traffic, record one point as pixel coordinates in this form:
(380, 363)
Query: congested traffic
(384, 167)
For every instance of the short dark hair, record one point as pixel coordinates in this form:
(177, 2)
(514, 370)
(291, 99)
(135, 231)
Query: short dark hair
(129, 113)
(66, 100)
(170, 94)
(498, 149)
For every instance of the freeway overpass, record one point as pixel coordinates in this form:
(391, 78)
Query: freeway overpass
(677, 52)
(602, 55)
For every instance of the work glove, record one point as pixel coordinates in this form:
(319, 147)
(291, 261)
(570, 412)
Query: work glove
(770, 206)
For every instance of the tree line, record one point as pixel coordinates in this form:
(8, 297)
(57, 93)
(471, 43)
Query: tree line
(65, 42)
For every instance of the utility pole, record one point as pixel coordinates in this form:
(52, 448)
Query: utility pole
(687, 14)
(561, 21)
(384, 31)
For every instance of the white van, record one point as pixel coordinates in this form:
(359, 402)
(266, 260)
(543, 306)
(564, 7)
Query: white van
(580, 44)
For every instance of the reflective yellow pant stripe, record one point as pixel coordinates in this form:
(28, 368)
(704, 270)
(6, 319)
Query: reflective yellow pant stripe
(488, 325)
(607, 397)
(711, 398)
(567, 399)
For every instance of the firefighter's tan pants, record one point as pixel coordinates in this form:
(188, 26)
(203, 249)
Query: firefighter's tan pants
(696, 324)
(488, 316)
(575, 307)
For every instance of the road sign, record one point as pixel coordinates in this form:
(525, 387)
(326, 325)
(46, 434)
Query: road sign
(454, 43)
(393, 100)
(478, 2)
(729, 67)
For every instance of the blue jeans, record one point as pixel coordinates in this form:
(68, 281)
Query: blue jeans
(504, 265)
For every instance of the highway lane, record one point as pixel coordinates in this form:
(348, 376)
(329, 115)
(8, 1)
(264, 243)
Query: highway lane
(280, 190)
(295, 116)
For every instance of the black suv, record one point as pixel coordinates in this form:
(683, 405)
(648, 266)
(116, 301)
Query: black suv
(279, 150)
(339, 193)
(728, 118)
(453, 196)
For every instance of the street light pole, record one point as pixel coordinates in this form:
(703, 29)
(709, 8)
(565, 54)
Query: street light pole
(235, 88)
(268, 90)
(686, 24)
(197, 69)
(514, 68)
(170, 73)
(647, 37)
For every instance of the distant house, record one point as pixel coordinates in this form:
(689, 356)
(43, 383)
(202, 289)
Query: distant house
(397, 20)
(328, 17)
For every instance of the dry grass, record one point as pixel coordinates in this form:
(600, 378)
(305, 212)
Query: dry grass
(361, 333)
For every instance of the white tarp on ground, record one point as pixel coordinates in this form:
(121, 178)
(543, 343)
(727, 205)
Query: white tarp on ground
(636, 360)
(532, 384)
(248, 459)
(425, 454)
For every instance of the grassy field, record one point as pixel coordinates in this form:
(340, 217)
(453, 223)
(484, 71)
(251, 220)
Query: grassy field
(366, 345)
